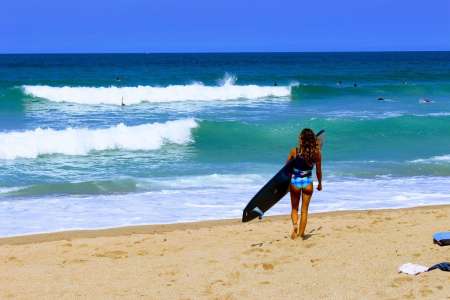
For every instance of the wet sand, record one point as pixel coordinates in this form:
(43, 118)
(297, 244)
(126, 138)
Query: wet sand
(347, 255)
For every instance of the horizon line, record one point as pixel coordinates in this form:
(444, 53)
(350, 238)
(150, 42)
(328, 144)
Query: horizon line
(220, 52)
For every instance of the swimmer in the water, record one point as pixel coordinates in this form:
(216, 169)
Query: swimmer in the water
(355, 85)
(426, 100)
(380, 99)
(275, 83)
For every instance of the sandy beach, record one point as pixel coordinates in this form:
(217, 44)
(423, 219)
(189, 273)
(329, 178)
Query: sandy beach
(347, 255)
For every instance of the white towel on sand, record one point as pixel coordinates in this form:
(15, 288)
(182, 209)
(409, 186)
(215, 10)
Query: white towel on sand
(412, 269)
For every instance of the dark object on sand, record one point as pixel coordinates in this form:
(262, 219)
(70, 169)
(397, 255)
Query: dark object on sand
(442, 238)
(444, 266)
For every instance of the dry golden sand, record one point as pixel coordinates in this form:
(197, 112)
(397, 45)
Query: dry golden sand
(348, 255)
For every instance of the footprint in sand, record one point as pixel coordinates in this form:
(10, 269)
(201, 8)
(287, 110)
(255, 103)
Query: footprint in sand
(234, 276)
(441, 216)
(117, 254)
(245, 265)
(267, 266)
(218, 282)
(399, 281)
(167, 273)
(14, 260)
(314, 261)
(426, 292)
(309, 245)
(253, 250)
(374, 222)
(410, 295)
(74, 261)
(142, 252)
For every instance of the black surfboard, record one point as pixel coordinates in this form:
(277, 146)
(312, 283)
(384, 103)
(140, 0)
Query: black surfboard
(272, 192)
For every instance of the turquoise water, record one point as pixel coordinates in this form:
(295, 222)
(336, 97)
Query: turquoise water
(200, 133)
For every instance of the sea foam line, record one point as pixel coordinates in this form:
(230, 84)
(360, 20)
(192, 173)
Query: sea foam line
(434, 159)
(80, 141)
(173, 93)
(196, 200)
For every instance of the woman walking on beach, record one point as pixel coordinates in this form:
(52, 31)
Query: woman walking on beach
(306, 155)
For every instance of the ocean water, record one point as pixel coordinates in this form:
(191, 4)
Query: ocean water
(201, 133)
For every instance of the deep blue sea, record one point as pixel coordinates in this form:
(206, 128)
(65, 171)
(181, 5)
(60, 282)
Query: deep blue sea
(199, 134)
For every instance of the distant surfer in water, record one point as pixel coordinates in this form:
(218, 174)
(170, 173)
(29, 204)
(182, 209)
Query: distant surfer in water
(425, 101)
(306, 155)
(122, 104)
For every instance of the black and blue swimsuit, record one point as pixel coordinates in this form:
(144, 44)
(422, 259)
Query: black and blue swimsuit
(302, 172)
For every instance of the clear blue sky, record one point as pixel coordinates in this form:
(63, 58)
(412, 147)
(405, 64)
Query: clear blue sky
(48, 26)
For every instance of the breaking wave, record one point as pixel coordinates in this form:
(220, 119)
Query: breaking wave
(434, 159)
(80, 141)
(173, 93)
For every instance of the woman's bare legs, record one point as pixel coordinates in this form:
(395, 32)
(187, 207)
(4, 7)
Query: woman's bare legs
(306, 197)
(295, 201)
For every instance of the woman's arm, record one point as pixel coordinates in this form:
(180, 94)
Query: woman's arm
(292, 154)
(319, 170)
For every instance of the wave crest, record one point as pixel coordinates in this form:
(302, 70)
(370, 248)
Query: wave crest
(80, 141)
(173, 93)
(434, 159)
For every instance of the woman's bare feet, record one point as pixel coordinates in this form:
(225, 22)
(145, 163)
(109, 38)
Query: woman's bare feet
(294, 233)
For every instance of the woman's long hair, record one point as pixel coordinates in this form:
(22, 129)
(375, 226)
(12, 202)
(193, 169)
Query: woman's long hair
(307, 145)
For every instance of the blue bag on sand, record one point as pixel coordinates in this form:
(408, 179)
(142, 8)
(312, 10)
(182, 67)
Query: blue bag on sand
(442, 238)
(445, 266)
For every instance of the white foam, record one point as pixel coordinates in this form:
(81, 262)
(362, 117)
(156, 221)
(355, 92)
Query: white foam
(5, 190)
(80, 141)
(434, 159)
(173, 93)
(206, 197)
(437, 114)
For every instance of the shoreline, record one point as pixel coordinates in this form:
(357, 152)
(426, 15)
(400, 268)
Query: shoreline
(163, 228)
